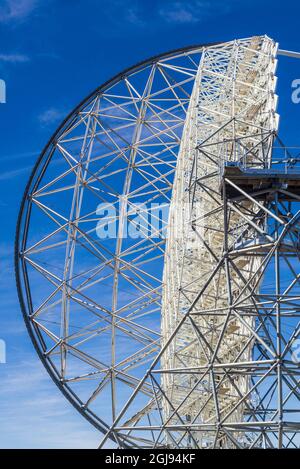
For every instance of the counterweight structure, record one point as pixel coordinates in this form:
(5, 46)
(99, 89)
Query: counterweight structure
(177, 332)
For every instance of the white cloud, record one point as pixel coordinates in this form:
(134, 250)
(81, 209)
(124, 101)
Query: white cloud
(134, 17)
(29, 400)
(17, 156)
(182, 12)
(16, 10)
(51, 116)
(14, 58)
(10, 174)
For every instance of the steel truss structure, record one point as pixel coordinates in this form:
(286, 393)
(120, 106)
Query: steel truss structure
(172, 332)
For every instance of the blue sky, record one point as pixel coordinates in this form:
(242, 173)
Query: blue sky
(52, 54)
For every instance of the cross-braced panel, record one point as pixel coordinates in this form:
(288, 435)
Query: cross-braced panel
(91, 253)
(170, 331)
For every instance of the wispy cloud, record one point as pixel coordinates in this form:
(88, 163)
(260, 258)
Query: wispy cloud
(14, 58)
(133, 15)
(181, 12)
(51, 116)
(7, 175)
(21, 155)
(16, 10)
(169, 12)
(122, 13)
(29, 399)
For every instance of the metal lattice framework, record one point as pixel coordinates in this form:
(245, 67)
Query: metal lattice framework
(170, 331)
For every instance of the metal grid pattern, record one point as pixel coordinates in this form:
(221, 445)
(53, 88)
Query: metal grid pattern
(183, 346)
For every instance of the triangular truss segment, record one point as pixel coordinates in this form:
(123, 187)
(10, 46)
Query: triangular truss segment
(178, 332)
